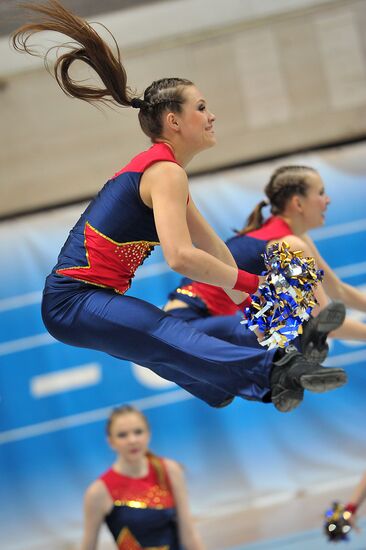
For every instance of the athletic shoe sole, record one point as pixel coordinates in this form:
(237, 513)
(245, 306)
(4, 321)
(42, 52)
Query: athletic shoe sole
(287, 401)
(330, 318)
(321, 382)
(314, 343)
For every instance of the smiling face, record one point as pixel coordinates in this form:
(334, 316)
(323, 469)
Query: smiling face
(129, 436)
(196, 122)
(315, 203)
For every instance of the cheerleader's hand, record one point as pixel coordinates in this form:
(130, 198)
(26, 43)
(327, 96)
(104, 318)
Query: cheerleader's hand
(352, 509)
(259, 334)
(262, 280)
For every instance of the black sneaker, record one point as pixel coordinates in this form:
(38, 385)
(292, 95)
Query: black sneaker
(293, 373)
(313, 340)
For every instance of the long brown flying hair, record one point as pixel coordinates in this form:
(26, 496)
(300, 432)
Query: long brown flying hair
(90, 48)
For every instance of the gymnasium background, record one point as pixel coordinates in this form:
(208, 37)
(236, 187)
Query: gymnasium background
(282, 79)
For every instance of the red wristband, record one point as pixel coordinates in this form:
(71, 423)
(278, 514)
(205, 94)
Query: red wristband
(351, 507)
(246, 282)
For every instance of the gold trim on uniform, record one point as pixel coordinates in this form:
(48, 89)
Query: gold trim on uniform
(186, 292)
(148, 246)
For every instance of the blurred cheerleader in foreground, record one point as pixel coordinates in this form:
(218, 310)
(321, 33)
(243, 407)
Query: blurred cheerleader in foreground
(142, 497)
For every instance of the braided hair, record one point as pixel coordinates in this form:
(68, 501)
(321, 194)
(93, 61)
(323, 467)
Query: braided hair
(284, 183)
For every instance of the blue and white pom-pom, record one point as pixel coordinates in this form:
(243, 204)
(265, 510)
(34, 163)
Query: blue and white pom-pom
(286, 299)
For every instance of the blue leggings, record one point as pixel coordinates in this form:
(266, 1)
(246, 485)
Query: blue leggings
(128, 328)
(224, 327)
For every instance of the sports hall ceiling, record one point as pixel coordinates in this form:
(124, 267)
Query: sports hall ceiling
(11, 16)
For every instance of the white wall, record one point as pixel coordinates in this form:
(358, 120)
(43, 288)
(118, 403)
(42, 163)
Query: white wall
(280, 75)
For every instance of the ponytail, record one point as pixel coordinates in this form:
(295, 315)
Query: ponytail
(162, 95)
(255, 219)
(90, 48)
(284, 183)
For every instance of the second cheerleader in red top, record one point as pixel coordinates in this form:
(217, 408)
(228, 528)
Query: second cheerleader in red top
(298, 203)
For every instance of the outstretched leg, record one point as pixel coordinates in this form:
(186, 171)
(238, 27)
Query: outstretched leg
(137, 331)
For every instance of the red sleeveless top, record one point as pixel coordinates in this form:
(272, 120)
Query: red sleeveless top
(143, 516)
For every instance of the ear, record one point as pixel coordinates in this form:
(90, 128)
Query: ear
(172, 122)
(296, 203)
